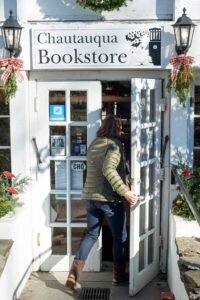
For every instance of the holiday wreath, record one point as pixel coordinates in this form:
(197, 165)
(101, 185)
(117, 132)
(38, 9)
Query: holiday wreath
(11, 72)
(101, 5)
(181, 76)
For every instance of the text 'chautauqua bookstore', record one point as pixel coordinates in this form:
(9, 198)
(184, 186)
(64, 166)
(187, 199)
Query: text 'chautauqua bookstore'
(92, 48)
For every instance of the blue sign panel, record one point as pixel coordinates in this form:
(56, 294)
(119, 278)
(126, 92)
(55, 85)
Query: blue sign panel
(57, 112)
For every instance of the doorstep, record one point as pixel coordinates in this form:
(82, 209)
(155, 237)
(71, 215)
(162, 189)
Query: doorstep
(50, 285)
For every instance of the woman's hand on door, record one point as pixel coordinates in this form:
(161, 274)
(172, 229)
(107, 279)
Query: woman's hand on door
(131, 197)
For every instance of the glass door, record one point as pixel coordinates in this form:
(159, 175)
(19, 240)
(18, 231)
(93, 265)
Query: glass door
(64, 122)
(145, 173)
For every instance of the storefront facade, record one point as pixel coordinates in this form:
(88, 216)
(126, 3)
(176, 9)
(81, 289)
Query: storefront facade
(77, 69)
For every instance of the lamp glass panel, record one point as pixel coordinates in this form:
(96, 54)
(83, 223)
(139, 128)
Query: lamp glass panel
(184, 30)
(17, 33)
(191, 33)
(177, 36)
(9, 38)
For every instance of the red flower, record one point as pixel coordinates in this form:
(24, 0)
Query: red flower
(11, 190)
(174, 202)
(8, 174)
(186, 173)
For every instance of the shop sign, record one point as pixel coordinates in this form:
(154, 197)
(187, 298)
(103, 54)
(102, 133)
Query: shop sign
(106, 48)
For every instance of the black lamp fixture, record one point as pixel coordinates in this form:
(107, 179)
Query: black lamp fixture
(11, 32)
(183, 31)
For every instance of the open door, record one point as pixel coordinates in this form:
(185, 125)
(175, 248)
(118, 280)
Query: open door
(145, 174)
(64, 119)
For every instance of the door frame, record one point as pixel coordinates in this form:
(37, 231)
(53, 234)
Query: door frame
(124, 75)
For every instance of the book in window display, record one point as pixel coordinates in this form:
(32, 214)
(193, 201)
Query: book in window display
(57, 145)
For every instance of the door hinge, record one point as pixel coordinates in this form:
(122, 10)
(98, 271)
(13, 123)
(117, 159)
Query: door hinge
(163, 104)
(162, 174)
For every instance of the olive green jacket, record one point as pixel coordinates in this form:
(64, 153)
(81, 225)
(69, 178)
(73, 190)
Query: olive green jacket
(105, 180)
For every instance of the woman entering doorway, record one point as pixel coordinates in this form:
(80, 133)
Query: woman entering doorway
(116, 100)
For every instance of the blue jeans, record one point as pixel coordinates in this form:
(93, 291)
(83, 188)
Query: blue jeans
(116, 219)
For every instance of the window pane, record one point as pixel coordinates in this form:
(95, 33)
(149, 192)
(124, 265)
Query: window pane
(143, 106)
(197, 158)
(57, 106)
(78, 209)
(197, 100)
(58, 174)
(78, 140)
(4, 108)
(151, 214)
(78, 102)
(58, 208)
(152, 116)
(59, 241)
(151, 143)
(57, 140)
(78, 174)
(5, 160)
(197, 132)
(4, 131)
(150, 249)
(151, 178)
(77, 236)
(143, 181)
(142, 218)
(143, 141)
(141, 255)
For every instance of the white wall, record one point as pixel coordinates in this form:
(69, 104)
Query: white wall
(15, 274)
(192, 8)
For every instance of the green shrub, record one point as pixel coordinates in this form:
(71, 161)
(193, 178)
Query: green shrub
(191, 181)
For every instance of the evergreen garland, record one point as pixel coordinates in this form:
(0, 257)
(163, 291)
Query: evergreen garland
(101, 5)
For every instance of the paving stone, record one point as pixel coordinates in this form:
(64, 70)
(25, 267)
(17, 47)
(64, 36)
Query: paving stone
(194, 294)
(191, 262)
(193, 278)
(188, 249)
(188, 246)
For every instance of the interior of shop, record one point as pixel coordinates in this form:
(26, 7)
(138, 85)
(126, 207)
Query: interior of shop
(116, 100)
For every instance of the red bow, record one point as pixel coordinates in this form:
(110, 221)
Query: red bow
(11, 65)
(177, 62)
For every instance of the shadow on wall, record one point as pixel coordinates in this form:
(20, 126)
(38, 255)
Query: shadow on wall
(135, 10)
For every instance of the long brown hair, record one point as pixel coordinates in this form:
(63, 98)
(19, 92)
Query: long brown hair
(111, 127)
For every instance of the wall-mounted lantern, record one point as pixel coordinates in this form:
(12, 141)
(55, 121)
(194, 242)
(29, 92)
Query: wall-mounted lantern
(11, 32)
(183, 31)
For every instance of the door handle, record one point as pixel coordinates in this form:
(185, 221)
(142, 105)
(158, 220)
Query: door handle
(39, 161)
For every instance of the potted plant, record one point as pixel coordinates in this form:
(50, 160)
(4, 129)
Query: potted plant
(10, 188)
